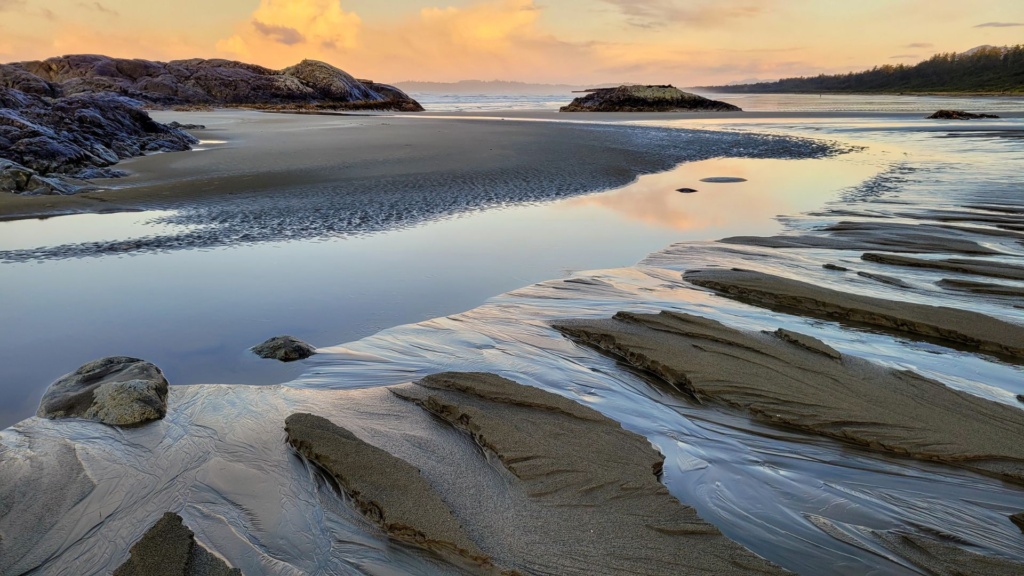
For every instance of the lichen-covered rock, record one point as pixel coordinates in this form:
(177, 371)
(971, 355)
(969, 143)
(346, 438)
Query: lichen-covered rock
(646, 99)
(119, 391)
(284, 348)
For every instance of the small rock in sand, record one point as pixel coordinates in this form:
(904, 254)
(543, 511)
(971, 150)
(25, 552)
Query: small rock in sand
(835, 268)
(285, 349)
(686, 190)
(118, 391)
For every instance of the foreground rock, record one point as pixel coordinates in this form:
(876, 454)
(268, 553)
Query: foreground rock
(385, 489)
(952, 326)
(284, 348)
(44, 140)
(119, 391)
(558, 489)
(646, 99)
(169, 548)
(958, 115)
(583, 471)
(197, 82)
(795, 380)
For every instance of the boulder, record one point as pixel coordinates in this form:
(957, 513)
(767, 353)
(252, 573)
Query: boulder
(645, 99)
(285, 349)
(958, 115)
(169, 548)
(118, 391)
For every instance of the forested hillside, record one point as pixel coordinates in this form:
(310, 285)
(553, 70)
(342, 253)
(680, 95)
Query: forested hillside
(982, 70)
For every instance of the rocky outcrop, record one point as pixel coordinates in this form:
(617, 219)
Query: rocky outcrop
(386, 489)
(951, 326)
(958, 115)
(169, 548)
(646, 99)
(284, 348)
(45, 140)
(199, 82)
(119, 391)
(798, 381)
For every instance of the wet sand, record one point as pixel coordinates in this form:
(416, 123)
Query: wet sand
(318, 158)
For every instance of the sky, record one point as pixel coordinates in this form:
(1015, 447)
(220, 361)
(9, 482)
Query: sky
(683, 42)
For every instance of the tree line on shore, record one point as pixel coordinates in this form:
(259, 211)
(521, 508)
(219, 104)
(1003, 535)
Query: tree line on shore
(982, 70)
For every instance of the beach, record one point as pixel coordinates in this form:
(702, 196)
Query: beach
(780, 473)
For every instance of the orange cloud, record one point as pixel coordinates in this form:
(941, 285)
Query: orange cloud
(282, 32)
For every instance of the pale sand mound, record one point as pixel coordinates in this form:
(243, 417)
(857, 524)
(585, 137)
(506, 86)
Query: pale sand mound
(951, 326)
(580, 495)
(796, 380)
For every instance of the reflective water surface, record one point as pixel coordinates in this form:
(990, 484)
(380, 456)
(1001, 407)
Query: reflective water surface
(778, 492)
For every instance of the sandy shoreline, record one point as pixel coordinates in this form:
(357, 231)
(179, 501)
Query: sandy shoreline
(202, 480)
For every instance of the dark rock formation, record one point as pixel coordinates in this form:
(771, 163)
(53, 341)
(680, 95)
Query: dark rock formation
(958, 115)
(951, 326)
(645, 99)
(45, 139)
(284, 348)
(200, 82)
(169, 548)
(119, 391)
(385, 488)
(798, 381)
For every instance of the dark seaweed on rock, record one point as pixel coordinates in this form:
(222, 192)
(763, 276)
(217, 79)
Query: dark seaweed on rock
(199, 82)
(795, 380)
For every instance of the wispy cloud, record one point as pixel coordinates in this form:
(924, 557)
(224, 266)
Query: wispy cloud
(657, 13)
(919, 45)
(10, 5)
(902, 56)
(97, 7)
(1000, 25)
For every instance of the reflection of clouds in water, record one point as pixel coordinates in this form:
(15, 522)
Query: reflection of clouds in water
(769, 188)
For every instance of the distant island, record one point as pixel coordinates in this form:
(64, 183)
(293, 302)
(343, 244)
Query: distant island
(982, 70)
(495, 87)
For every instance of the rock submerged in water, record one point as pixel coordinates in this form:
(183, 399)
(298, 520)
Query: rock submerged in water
(118, 391)
(284, 348)
(958, 115)
(646, 99)
(170, 548)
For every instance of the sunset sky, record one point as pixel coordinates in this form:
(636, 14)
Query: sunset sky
(685, 42)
